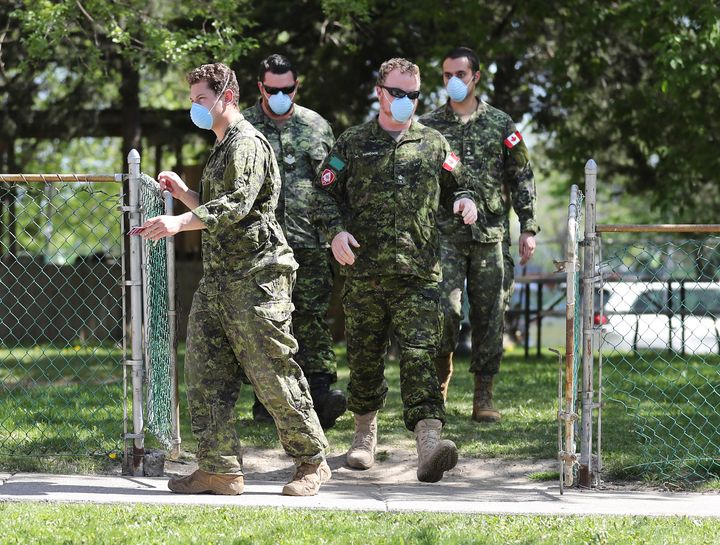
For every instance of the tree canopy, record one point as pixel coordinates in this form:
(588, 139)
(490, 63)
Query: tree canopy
(631, 83)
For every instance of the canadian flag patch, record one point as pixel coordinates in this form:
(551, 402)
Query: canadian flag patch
(513, 140)
(327, 177)
(451, 162)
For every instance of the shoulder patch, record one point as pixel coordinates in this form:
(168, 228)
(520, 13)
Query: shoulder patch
(327, 177)
(513, 140)
(451, 162)
(337, 163)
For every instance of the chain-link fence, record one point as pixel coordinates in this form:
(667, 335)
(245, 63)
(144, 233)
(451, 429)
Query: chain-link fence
(61, 319)
(650, 344)
(159, 319)
(65, 370)
(660, 344)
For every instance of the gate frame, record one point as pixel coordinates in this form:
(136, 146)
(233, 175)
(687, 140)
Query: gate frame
(590, 467)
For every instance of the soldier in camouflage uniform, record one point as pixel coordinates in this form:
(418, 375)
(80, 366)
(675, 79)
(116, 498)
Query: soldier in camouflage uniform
(240, 316)
(494, 155)
(379, 191)
(301, 139)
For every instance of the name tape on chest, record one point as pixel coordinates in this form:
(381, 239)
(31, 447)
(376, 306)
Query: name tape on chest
(451, 162)
(513, 140)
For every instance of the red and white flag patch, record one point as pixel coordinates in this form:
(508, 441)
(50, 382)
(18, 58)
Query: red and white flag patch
(327, 177)
(451, 162)
(513, 140)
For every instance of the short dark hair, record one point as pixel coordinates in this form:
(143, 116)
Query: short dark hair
(216, 75)
(460, 52)
(277, 64)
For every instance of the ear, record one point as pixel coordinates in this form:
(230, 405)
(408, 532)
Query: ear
(228, 96)
(260, 87)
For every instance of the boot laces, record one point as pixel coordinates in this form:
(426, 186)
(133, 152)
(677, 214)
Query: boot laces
(362, 441)
(304, 470)
(428, 440)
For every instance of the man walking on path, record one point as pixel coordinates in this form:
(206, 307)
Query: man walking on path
(379, 191)
(494, 155)
(240, 315)
(301, 139)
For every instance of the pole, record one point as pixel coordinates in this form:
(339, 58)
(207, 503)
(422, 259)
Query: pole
(585, 470)
(136, 317)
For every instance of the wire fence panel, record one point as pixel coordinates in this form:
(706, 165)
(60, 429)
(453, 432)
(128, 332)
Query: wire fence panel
(660, 346)
(61, 319)
(159, 349)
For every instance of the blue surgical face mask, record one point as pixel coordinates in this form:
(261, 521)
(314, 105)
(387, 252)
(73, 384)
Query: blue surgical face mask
(456, 89)
(402, 109)
(201, 116)
(279, 103)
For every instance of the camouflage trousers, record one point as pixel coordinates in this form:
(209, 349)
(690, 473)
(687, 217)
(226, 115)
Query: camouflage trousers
(311, 297)
(239, 326)
(482, 265)
(411, 307)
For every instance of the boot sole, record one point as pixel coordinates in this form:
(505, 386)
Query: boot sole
(224, 492)
(487, 418)
(443, 458)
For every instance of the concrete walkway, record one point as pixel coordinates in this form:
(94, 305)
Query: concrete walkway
(453, 497)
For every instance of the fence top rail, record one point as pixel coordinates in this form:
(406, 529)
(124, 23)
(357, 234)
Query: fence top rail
(59, 178)
(659, 228)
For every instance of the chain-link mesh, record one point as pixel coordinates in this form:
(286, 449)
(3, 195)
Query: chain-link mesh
(61, 319)
(158, 349)
(660, 341)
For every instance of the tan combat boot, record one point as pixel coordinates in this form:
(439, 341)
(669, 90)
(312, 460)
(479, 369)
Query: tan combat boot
(444, 368)
(307, 479)
(483, 409)
(435, 456)
(202, 482)
(362, 452)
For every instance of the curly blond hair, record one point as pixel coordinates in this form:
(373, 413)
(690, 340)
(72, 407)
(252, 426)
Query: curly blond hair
(398, 63)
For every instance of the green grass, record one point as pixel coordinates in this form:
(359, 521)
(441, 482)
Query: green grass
(69, 401)
(40, 524)
(661, 418)
(59, 405)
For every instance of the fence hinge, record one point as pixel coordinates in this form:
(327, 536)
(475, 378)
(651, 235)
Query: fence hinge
(134, 436)
(131, 283)
(567, 417)
(559, 265)
(133, 363)
(567, 457)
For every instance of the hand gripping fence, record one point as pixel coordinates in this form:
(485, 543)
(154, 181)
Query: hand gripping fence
(65, 368)
(650, 337)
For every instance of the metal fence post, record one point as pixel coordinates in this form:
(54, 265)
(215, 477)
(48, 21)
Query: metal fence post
(136, 318)
(585, 470)
(172, 326)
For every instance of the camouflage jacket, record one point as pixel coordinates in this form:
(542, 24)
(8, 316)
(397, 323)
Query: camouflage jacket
(300, 145)
(387, 194)
(239, 191)
(496, 163)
